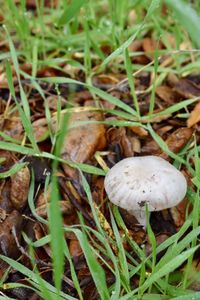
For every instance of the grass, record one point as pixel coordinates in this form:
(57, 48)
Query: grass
(75, 33)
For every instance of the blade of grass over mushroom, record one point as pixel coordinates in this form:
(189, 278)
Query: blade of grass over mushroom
(188, 17)
(153, 6)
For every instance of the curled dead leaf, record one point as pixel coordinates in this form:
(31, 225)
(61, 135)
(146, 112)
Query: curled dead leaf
(194, 117)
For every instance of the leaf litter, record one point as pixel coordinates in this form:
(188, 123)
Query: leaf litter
(90, 131)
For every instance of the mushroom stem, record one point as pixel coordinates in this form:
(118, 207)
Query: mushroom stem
(140, 215)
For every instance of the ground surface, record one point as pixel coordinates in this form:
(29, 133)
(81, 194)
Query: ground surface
(82, 86)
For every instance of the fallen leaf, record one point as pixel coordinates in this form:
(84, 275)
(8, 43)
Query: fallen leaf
(167, 94)
(194, 117)
(19, 188)
(177, 140)
(82, 141)
(187, 89)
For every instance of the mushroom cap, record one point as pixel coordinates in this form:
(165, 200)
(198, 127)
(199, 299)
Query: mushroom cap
(136, 181)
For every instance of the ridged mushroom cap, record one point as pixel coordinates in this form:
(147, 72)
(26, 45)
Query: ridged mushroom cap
(134, 182)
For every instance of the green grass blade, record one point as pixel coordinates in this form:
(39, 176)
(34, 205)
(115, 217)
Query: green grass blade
(188, 18)
(95, 90)
(191, 296)
(33, 277)
(96, 270)
(168, 268)
(153, 6)
(129, 72)
(121, 255)
(71, 11)
(73, 272)
(30, 152)
(54, 213)
(14, 169)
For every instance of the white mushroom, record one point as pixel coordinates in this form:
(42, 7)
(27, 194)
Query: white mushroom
(136, 182)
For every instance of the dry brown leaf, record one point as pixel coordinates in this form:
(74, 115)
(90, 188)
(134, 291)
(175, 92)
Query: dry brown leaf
(194, 117)
(83, 141)
(178, 213)
(43, 203)
(139, 131)
(177, 140)
(166, 94)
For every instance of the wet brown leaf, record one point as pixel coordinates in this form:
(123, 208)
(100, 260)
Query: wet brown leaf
(19, 188)
(118, 136)
(8, 245)
(5, 202)
(187, 89)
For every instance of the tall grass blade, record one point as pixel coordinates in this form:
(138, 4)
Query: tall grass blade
(70, 11)
(188, 17)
